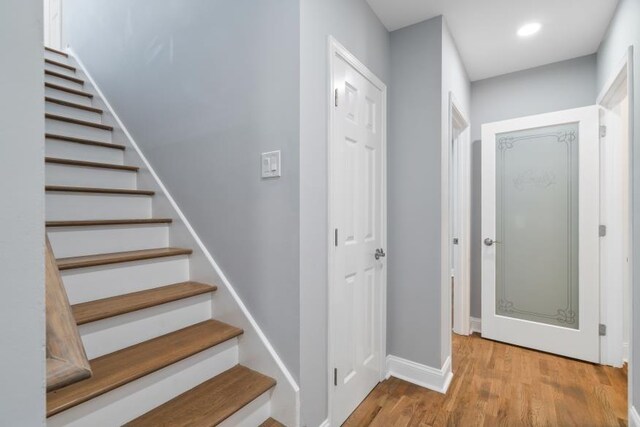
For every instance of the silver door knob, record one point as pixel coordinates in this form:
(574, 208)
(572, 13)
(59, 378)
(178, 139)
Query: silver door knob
(380, 253)
(489, 241)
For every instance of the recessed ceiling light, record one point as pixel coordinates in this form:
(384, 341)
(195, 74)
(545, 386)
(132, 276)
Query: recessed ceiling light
(529, 29)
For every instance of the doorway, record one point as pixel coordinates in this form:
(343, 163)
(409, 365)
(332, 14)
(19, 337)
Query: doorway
(460, 217)
(357, 224)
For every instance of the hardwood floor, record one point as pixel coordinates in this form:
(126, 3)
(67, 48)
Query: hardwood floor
(501, 385)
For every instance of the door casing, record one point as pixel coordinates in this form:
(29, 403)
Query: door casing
(336, 49)
(459, 128)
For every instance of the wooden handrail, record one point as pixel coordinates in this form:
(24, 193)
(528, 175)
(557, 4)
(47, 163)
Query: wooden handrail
(67, 361)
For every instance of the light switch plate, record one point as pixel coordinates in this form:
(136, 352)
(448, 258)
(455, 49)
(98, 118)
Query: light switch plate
(271, 164)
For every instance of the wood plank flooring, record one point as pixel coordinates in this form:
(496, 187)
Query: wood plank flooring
(501, 385)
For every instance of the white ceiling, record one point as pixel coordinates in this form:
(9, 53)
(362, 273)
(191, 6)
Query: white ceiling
(485, 30)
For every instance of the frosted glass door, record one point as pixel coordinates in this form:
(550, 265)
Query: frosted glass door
(537, 184)
(540, 243)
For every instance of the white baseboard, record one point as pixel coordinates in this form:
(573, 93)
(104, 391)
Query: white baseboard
(325, 423)
(634, 417)
(476, 325)
(422, 375)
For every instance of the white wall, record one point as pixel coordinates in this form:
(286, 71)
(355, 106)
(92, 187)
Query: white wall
(22, 316)
(354, 25)
(559, 86)
(624, 31)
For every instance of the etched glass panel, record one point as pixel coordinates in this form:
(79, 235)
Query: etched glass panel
(537, 225)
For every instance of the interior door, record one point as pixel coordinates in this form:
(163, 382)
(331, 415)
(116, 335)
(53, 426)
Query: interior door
(540, 219)
(357, 237)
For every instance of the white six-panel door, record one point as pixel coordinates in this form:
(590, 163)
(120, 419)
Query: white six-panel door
(540, 219)
(357, 215)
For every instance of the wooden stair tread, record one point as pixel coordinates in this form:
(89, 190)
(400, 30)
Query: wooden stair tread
(63, 76)
(69, 162)
(59, 64)
(67, 89)
(272, 423)
(124, 366)
(73, 105)
(92, 311)
(59, 52)
(84, 141)
(211, 402)
(103, 222)
(70, 263)
(77, 121)
(68, 189)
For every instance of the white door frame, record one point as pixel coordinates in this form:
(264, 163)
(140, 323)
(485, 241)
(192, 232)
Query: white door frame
(612, 301)
(459, 123)
(337, 49)
(609, 305)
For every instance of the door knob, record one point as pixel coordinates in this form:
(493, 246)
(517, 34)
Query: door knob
(489, 241)
(380, 253)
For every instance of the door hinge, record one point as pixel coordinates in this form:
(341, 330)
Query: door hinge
(602, 330)
(335, 376)
(602, 230)
(336, 97)
(335, 237)
(603, 131)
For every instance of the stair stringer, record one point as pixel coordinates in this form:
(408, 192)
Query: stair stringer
(255, 350)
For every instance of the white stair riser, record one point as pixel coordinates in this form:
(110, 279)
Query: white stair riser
(63, 82)
(71, 97)
(139, 397)
(253, 414)
(60, 70)
(76, 113)
(88, 153)
(79, 241)
(79, 131)
(79, 176)
(56, 57)
(62, 206)
(109, 335)
(89, 284)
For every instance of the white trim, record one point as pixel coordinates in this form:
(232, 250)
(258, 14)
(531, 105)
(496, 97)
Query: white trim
(326, 423)
(625, 352)
(462, 300)
(335, 49)
(476, 325)
(613, 350)
(293, 419)
(425, 376)
(634, 417)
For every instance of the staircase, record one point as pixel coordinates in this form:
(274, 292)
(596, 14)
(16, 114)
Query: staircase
(160, 348)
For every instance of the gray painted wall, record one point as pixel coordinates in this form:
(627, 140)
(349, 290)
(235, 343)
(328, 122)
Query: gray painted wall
(559, 86)
(414, 210)
(624, 31)
(22, 312)
(455, 81)
(355, 26)
(204, 87)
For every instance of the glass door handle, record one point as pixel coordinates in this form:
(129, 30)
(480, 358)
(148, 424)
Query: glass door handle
(489, 241)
